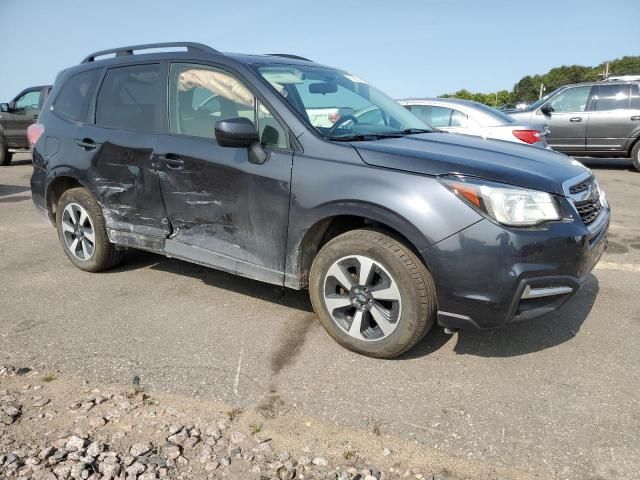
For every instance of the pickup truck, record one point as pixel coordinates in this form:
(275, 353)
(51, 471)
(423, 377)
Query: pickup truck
(16, 116)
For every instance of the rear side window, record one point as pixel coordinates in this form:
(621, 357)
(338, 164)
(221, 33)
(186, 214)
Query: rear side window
(130, 98)
(459, 119)
(612, 97)
(75, 96)
(438, 117)
(635, 97)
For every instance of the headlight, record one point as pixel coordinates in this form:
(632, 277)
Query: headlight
(509, 205)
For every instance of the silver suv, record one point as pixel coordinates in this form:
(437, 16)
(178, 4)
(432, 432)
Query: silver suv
(598, 118)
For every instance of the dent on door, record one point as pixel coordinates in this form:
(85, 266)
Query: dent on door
(128, 190)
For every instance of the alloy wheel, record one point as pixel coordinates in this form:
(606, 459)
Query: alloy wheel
(362, 298)
(78, 232)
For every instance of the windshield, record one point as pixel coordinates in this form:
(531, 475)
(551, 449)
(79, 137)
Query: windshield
(539, 103)
(341, 106)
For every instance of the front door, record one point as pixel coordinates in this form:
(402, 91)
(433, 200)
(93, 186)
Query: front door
(24, 111)
(224, 210)
(568, 119)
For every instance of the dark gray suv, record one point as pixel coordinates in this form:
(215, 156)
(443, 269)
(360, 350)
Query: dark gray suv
(594, 119)
(392, 226)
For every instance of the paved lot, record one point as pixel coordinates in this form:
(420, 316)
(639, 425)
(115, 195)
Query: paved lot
(559, 396)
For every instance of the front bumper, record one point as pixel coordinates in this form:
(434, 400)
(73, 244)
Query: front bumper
(488, 276)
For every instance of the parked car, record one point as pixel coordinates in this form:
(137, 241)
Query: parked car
(591, 119)
(473, 118)
(16, 116)
(392, 227)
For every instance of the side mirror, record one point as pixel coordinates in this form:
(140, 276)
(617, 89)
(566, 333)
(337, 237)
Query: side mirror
(236, 133)
(241, 133)
(4, 107)
(546, 109)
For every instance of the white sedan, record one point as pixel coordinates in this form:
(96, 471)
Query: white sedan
(473, 118)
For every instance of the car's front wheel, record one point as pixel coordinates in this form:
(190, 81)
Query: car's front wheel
(372, 294)
(82, 232)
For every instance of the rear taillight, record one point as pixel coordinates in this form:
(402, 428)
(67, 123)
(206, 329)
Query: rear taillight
(334, 117)
(34, 132)
(527, 136)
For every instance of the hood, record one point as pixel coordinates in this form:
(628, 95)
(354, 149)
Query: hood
(439, 153)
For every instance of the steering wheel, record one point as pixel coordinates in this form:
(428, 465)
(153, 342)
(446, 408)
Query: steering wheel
(342, 120)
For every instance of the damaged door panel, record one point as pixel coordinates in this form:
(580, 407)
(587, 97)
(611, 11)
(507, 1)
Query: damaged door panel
(126, 183)
(217, 201)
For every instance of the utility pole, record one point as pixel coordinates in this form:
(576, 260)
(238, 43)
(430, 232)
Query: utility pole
(542, 89)
(605, 74)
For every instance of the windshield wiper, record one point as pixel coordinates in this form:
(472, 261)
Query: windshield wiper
(365, 137)
(413, 131)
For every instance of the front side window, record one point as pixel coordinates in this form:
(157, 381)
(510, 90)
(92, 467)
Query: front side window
(571, 100)
(75, 96)
(336, 103)
(612, 97)
(200, 96)
(130, 98)
(29, 101)
(438, 117)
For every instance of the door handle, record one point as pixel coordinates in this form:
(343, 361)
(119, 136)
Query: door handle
(172, 161)
(635, 117)
(35, 117)
(87, 144)
(575, 119)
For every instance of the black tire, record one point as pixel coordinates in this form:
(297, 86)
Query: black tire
(417, 290)
(635, 155)
(105, 255)
(5, 155)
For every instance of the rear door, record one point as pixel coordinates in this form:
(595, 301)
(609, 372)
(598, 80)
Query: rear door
(610, 123)
(118, 148)
(224, 210)
(568, 121)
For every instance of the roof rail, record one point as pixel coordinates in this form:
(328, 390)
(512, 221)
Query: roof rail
(125, 51)
(288, 55)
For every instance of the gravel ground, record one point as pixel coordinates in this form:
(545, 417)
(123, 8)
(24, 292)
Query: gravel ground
(557, 398)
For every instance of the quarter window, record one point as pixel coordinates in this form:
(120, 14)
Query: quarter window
(612, 97)
(201, 96)
(571, 100)
(130, 99)
(75, 96)
(29, 101)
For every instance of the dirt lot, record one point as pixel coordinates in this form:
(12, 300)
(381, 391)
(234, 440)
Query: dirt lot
(555, 398)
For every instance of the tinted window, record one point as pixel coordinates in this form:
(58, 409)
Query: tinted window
(571, 100)
(438, 117)
(635, 97)
(28, 101)
(612, 97)
(130, 99)
(75, 96)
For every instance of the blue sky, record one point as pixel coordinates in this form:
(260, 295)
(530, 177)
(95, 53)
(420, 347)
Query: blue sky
(406, 48)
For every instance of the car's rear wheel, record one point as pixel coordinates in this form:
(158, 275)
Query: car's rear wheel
(372, 294)
(82, 232)
(5, 155)
(635, 155)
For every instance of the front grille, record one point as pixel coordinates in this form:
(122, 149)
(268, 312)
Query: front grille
(581, 187)
(586, 198)
(589, 209)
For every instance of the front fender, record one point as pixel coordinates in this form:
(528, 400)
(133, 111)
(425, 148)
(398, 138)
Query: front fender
(416, 206)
